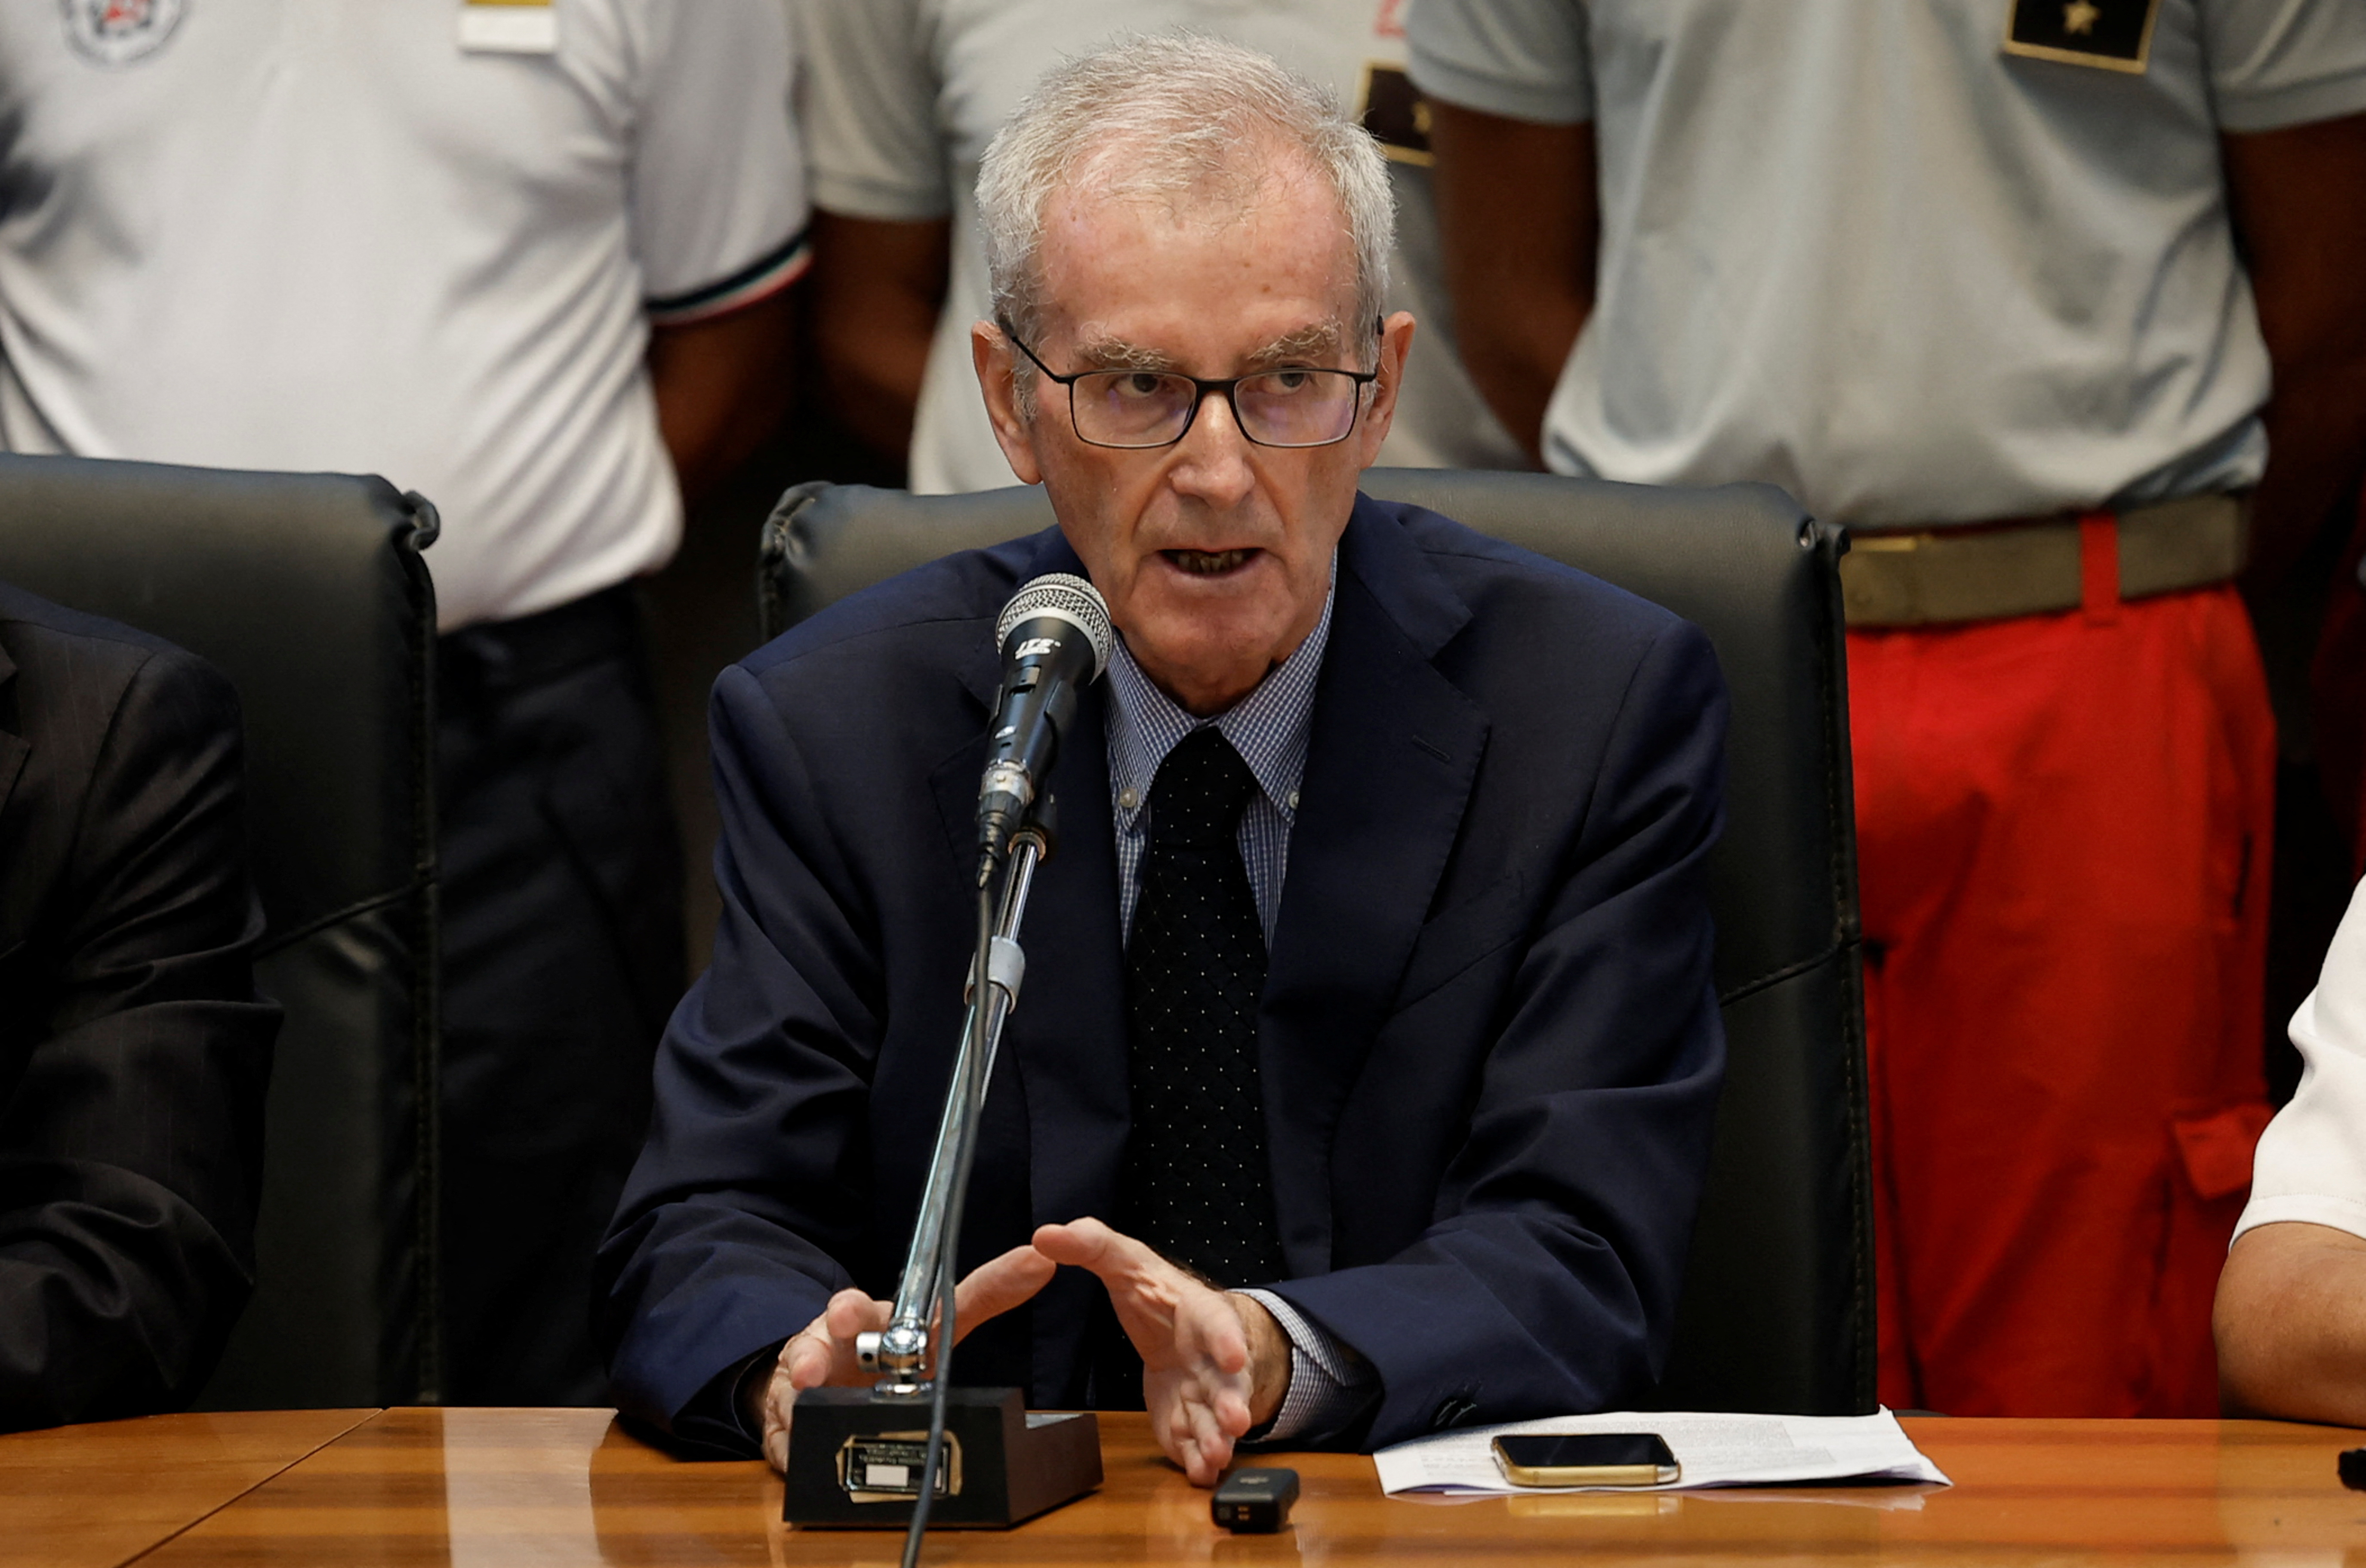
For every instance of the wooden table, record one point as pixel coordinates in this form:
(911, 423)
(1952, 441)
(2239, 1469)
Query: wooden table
(481, 1488)
(94, 1496)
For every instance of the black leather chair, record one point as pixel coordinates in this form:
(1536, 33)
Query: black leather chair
(309, 592)
(1777, 1312)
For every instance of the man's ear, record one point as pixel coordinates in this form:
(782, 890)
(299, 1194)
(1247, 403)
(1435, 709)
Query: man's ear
(1381, 412)
(997, 379)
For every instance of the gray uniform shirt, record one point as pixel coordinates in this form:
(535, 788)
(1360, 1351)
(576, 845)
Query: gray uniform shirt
(901, 97)
(1856, 248)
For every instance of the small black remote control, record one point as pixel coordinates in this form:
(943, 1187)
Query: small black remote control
(2351, 1467)
(1254, 1502)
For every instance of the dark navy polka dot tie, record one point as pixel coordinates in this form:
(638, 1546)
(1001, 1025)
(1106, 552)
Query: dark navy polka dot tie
(1197, 1184)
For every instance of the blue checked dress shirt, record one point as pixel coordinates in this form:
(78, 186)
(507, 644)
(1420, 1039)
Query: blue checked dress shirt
(1328, 1381)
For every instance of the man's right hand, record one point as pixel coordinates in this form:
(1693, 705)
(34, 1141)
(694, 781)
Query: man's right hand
(822, 1350)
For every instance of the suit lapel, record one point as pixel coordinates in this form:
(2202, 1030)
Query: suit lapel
(1390, 766)
(1070, 1027)
(1066, 1041)
(1067, 1037)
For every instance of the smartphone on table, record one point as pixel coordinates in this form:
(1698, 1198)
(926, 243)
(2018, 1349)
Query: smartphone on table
(1586, 1459)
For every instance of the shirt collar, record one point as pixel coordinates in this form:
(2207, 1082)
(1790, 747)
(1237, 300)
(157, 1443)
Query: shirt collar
(1269, 727)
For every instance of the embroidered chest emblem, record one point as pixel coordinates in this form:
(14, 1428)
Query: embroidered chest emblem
(120, 32)
(2110, 35)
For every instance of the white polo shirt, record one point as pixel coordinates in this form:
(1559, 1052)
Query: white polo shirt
(1858, 248)
(902, 97)
(323, 234)
(2311, 1162)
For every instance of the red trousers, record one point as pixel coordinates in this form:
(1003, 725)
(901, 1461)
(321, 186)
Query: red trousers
(2064, 827)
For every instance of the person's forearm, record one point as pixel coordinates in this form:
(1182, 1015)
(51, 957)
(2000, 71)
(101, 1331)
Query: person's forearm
(1269, 1362)
(2316, 446)
(874, 377)
(2299, 201)
(1516, 372)
(1518, 228)
(1317, 1382)
(878, 288)
(721, 386)
(2291, 1324)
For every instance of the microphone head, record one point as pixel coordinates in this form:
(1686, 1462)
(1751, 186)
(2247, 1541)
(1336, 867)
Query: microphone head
(1068, 597)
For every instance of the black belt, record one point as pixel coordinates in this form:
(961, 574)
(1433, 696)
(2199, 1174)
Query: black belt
(543, 646)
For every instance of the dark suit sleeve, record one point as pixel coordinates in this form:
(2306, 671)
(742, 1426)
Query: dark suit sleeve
(130, 1146)
(1547, 1283)
(752, 1184)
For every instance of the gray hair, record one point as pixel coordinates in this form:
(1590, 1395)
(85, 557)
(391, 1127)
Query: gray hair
(1193, 114)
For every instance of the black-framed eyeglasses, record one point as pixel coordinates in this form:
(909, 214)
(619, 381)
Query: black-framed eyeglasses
(1133, 409)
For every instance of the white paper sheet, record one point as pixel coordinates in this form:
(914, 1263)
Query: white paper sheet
(1713, 1449)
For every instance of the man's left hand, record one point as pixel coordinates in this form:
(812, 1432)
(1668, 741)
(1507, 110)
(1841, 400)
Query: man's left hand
(1213, 1364)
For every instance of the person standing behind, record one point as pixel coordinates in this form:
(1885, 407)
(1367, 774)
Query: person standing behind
(516, 257)
(1447, 1161)
(2291, 1318)
(134, 1052)
(900, 100)
(1965, 277)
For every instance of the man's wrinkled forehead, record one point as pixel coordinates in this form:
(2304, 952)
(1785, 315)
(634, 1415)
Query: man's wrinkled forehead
(1318, 342)
(1194, 175)
(1256, 207)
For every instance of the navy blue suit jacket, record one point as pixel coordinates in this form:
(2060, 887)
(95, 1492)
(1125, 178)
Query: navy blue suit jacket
(1489, 1045)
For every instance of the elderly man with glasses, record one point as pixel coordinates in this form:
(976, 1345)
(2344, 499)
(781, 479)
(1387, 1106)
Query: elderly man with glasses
(1364, 1082)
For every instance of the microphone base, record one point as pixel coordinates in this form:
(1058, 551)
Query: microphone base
(855, 1456)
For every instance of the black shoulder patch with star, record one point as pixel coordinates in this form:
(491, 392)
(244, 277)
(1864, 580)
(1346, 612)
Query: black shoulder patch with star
(2110, 35)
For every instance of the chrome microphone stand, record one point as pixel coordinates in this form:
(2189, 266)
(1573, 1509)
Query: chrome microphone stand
(901, 1352)
(854, 1458)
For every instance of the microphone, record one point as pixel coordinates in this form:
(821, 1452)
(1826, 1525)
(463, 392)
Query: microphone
(1054, 635)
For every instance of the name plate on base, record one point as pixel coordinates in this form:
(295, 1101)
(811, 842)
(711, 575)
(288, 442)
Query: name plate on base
(855, 1457)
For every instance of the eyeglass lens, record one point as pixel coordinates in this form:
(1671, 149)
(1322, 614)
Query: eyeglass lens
(1279, 407)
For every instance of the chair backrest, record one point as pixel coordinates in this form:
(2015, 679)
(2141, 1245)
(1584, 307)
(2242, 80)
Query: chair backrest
(309, 592)
(1777, 1312)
